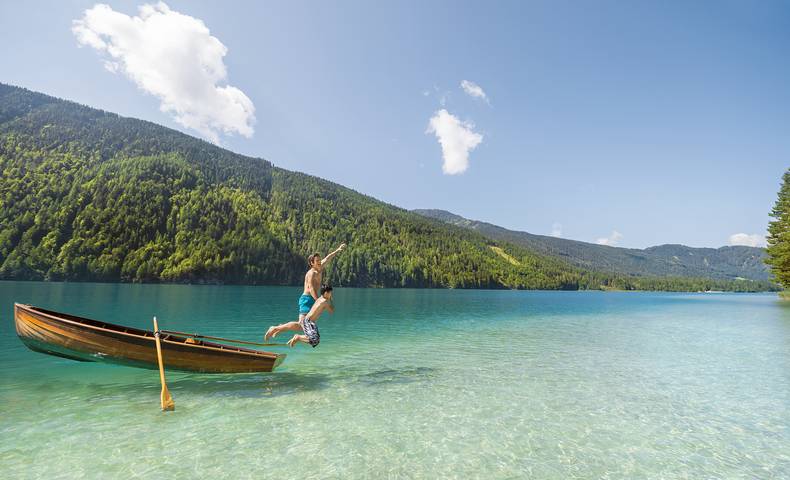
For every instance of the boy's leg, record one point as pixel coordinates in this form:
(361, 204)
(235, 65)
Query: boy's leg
(298, 338)
(274, 330)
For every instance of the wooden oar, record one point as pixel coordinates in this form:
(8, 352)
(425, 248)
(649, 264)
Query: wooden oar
(229, 340)
(167, 399)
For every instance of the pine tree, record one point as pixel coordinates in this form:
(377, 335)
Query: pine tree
(779, 235)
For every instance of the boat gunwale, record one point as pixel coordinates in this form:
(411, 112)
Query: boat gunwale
(203, 345)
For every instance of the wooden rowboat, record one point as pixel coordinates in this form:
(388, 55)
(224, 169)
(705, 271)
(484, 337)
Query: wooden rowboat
(89, 340)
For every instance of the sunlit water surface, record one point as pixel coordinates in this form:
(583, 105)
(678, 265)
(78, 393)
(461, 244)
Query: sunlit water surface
(414, 384)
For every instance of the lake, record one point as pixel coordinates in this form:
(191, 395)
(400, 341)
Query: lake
(413, 384)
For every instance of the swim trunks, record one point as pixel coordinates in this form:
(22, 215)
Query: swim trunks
(305, 304)
(313, 337)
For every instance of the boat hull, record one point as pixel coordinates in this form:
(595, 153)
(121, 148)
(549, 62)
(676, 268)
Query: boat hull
(89, 340)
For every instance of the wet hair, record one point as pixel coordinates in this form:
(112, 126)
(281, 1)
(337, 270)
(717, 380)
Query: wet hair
(313, 257)
(326, 288)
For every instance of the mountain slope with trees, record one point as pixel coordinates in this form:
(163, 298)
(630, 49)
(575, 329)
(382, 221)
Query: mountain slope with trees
(87, 195)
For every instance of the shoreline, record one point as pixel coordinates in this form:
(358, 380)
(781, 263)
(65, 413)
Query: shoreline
(784, 295)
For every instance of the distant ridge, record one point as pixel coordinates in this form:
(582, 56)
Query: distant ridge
(662, 260)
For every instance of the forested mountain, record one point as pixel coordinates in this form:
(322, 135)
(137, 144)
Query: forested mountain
(663, 260)
(89, 195)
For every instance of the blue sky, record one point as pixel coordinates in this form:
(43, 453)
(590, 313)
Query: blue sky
(665, 122)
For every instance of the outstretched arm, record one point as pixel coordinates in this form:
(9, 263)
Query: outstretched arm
(332, 254)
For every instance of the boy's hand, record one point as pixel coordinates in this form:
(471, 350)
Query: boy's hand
(333, 253)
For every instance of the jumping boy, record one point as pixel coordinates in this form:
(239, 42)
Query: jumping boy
(312, 283)
(307, 321)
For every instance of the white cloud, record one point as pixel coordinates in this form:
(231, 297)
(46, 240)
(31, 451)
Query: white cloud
(457, 139)
(612, 240)
(175, 58)
(556, 230)
(474, 90)
(753, 240)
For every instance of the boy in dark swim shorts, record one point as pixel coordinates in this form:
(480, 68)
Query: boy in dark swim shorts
(312, 283)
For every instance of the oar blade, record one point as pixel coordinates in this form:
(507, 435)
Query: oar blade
(168, 405)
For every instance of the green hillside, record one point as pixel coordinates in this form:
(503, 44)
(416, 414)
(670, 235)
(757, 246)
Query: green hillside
(87, 195)
(663, 260)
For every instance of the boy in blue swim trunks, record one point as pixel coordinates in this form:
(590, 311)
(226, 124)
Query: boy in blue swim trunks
(312, 284)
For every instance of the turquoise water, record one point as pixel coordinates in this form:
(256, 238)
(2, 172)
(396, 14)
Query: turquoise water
(414, 384)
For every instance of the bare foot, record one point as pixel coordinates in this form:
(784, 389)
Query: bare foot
(293, 340)
(269, 333)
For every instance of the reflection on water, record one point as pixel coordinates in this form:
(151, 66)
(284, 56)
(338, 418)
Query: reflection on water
(414, 384)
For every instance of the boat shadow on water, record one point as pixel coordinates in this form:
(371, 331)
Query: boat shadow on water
(269, 385)
(290, 383)
(248, 385)
(285, 383)
(112, 381)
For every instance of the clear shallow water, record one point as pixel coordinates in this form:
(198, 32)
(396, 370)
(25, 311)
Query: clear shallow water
(414, 384)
